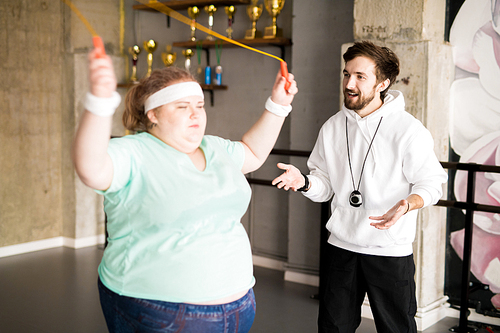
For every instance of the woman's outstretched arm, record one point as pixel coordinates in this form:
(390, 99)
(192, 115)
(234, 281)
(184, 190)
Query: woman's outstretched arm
(92, 162)
(261, 137)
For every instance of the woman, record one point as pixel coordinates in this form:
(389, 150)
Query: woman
(178, 258)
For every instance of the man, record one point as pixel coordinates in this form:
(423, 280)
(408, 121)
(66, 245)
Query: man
(376, 162)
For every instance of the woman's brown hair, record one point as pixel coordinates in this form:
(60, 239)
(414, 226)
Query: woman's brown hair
(134, 118)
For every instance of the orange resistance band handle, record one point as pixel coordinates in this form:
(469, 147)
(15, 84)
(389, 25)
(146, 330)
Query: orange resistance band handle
(99, 46)
(284, 73)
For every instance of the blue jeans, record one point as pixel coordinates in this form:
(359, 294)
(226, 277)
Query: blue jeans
(126, 314)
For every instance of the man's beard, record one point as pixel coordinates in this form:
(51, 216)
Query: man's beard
(361, 101)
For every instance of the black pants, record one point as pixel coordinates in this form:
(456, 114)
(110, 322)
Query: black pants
(388, 281)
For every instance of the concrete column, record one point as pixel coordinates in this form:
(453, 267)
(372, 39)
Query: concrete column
(414, 30)
(44, 78)
(87, 224)
(83, 214)
(89, 211)
(30, 121)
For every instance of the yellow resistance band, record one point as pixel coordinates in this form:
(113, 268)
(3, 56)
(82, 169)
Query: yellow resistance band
(81, 17)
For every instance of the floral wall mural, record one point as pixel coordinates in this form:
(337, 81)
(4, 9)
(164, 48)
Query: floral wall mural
(475, 136)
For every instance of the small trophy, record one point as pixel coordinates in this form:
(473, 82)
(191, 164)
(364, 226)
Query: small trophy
(254, 11)
(188, 53)
(193, 13)
(150, 47)
(210, 11)
(169, 57)
(274, 8)
(230, 11)
(134, 52)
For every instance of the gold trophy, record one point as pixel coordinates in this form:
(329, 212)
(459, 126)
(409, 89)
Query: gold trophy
(210, 11)
(188, 53)
(150, 47)
(134, 52)
(193, 13)
(254, 11)
(169, 57)
(230, 11)
(274, 8)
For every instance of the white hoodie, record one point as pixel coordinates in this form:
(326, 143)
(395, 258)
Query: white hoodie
(401, 162)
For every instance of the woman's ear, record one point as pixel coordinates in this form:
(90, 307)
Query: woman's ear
(152, 116)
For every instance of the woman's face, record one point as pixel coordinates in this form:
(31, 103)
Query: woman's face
(181, 123)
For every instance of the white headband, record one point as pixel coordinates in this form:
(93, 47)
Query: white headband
(172, 93)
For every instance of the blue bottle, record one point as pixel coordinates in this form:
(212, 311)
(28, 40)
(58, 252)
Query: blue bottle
(208, 75)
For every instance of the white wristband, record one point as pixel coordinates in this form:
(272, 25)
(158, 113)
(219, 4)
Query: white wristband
(277, 109)
(102, 106)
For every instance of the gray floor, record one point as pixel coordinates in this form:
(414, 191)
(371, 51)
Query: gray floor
(54, 291)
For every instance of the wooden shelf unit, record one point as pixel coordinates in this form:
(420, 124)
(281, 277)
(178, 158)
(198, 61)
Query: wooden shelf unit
(180, 4)
(280, 42)
(207, 87)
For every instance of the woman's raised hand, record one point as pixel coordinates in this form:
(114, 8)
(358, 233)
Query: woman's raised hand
(101, 75)
(281, 96)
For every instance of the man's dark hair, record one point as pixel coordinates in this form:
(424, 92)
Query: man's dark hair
(386, 61)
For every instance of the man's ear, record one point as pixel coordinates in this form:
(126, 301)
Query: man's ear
(383, 85)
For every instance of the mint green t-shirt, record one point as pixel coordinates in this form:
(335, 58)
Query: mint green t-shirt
(174, 231)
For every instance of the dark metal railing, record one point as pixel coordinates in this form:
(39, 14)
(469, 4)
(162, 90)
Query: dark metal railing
(470, 207)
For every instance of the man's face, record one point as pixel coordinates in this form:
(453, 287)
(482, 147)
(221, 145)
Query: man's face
(361, 90)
